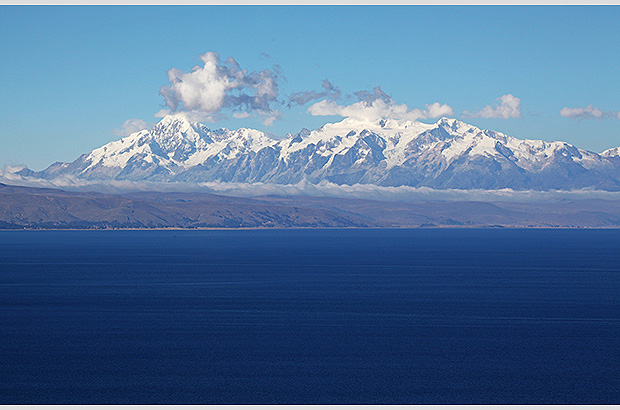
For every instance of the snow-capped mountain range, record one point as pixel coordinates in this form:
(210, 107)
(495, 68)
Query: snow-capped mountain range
(446, 154)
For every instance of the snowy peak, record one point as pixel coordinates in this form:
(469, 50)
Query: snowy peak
(446, 154)
(175, 131)
(174, 121)
(175, 142)
(612, 152)
(456, 127)
(178, 127)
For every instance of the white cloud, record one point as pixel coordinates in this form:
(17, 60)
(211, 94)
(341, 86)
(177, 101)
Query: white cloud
(130, 126)
(583, 113)
(380, 109)
(206, 90)
(209, 89)
(360, 191)
(376, 105)
(241, 114)
(192, 116)
(325, 107)
(509, 107)
(436, 110)
(275, 115)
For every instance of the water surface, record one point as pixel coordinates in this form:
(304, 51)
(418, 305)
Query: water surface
(310, 316)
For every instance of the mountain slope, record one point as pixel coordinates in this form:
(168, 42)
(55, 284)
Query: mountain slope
(447, 154)
(37, 208)
(23, 207)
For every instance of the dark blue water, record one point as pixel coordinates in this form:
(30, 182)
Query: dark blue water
(310, 316)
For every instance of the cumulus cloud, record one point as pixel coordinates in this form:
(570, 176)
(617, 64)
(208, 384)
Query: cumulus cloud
(436, 110)
(303, 97)
(130, 126)
(509, 106)
(213, 86)
(587, 113)
(214, 89)
(376, 104)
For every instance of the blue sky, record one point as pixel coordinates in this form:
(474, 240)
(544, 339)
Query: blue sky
(72, 76)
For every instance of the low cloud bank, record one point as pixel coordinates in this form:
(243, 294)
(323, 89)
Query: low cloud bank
(324, 189)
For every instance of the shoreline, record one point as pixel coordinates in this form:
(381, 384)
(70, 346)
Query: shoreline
(454, 227)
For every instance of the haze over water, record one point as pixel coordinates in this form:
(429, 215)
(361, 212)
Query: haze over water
(310, 316)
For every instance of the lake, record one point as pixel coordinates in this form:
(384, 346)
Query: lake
(390, 316)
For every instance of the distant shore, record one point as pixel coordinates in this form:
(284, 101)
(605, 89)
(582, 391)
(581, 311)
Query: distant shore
(27, 208)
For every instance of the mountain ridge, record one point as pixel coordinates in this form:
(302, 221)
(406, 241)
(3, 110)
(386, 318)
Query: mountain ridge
(443, 155)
